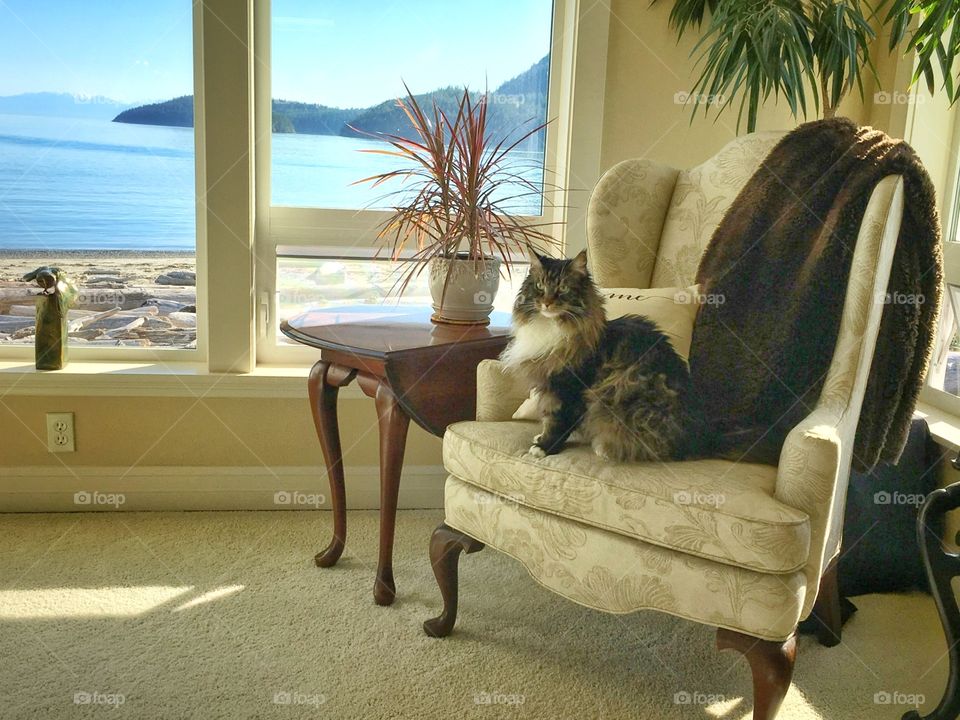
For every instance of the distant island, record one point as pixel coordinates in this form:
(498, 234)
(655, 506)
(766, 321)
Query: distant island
(49, 104)
(514, 104)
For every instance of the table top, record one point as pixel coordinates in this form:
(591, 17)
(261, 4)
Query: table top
(380, 330)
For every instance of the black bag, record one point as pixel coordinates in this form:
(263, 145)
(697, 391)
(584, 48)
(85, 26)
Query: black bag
(879, 552)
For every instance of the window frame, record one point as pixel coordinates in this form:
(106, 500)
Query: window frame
(578, 53)
(930, 393)
(161, 355)
(238, 232)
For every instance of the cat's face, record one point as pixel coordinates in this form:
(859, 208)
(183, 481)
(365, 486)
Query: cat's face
(556, 289)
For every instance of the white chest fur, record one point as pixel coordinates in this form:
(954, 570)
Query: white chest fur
(534, 339)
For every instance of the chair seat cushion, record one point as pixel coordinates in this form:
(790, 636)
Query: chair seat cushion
(715, 509)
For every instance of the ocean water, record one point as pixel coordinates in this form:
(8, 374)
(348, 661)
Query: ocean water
(83, 184)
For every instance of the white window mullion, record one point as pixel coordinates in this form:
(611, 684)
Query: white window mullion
(228, 199)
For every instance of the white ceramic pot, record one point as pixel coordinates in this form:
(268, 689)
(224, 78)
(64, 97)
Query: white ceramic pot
(463, 290)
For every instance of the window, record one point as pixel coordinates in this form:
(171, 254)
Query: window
(102, 175)
(98, 172)
(309, 281)
(359, 56)
(334, 74)
(943, 377)
(944, 373)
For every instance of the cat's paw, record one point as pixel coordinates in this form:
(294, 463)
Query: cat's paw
(537, 438)
(603, 451)
(536, 451)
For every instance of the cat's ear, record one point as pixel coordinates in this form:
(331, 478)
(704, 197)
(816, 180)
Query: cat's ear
(535, 263)
(579, 263)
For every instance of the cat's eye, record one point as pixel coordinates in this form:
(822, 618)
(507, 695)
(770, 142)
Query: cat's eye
(539, 284)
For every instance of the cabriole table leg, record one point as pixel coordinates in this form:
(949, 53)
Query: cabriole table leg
(325, 381)
(394, 423)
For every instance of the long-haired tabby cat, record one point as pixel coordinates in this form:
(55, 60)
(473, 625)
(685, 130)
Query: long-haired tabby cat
(620, 383)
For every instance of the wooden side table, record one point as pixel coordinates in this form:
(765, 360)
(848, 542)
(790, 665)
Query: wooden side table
(413, 369)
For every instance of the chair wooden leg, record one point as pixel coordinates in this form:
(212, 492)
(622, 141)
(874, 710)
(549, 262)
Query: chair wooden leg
(771, 664)
(827, 612)
(446, 544)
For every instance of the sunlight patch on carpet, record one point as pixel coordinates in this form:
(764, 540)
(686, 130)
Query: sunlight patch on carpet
(210, 597)
(86, 602)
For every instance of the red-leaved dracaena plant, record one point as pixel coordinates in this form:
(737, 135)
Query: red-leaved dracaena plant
(455, 186)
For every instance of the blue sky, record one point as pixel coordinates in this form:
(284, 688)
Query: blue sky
(125, 50)
(346, 53)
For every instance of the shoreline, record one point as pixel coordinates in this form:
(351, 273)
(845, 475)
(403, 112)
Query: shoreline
(79, 254)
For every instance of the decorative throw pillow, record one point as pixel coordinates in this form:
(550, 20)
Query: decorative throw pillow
(672, 309)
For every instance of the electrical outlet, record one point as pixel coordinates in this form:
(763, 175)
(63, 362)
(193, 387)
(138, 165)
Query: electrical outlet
(60, 437)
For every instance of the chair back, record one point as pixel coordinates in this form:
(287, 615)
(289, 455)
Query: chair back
(648, 224)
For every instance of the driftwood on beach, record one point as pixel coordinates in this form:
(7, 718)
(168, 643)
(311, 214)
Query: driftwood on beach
(123, 301)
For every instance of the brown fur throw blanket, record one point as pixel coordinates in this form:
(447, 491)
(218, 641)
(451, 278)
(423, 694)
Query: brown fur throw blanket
(780, 258)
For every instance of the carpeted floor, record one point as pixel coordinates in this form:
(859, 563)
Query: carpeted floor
(223, 615)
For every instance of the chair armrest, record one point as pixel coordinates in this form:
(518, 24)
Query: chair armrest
(808, 475)
(499, 392)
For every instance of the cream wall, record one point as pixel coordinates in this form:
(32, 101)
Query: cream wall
(219, 439)
(181, 431)
(214, 453)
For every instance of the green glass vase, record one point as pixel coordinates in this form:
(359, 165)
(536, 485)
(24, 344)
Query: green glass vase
(53, 304)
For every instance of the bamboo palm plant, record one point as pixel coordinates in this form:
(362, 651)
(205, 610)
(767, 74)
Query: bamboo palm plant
(455, 188)
(812, 52)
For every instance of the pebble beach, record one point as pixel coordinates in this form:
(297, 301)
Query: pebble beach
(124, 299)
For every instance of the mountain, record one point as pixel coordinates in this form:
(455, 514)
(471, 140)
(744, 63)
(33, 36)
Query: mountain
(520, 102)
(61, 105)
(176, 113)
(298, 117)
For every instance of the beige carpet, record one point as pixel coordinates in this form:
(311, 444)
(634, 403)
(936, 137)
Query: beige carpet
(223, 615)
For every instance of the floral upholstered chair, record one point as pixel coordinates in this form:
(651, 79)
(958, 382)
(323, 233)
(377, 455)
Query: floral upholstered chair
(631, 536)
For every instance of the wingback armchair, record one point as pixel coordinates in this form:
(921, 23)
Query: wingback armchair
(747, 548)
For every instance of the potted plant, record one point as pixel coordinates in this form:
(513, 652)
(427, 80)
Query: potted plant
(757, 48)
(450, 214)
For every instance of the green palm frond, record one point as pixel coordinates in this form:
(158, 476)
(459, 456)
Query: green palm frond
(753, 50)
(809, 51)
(841, 45)
(935, 39)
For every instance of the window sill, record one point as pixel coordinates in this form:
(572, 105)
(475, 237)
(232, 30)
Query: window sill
(147, 379)
(944, 426)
